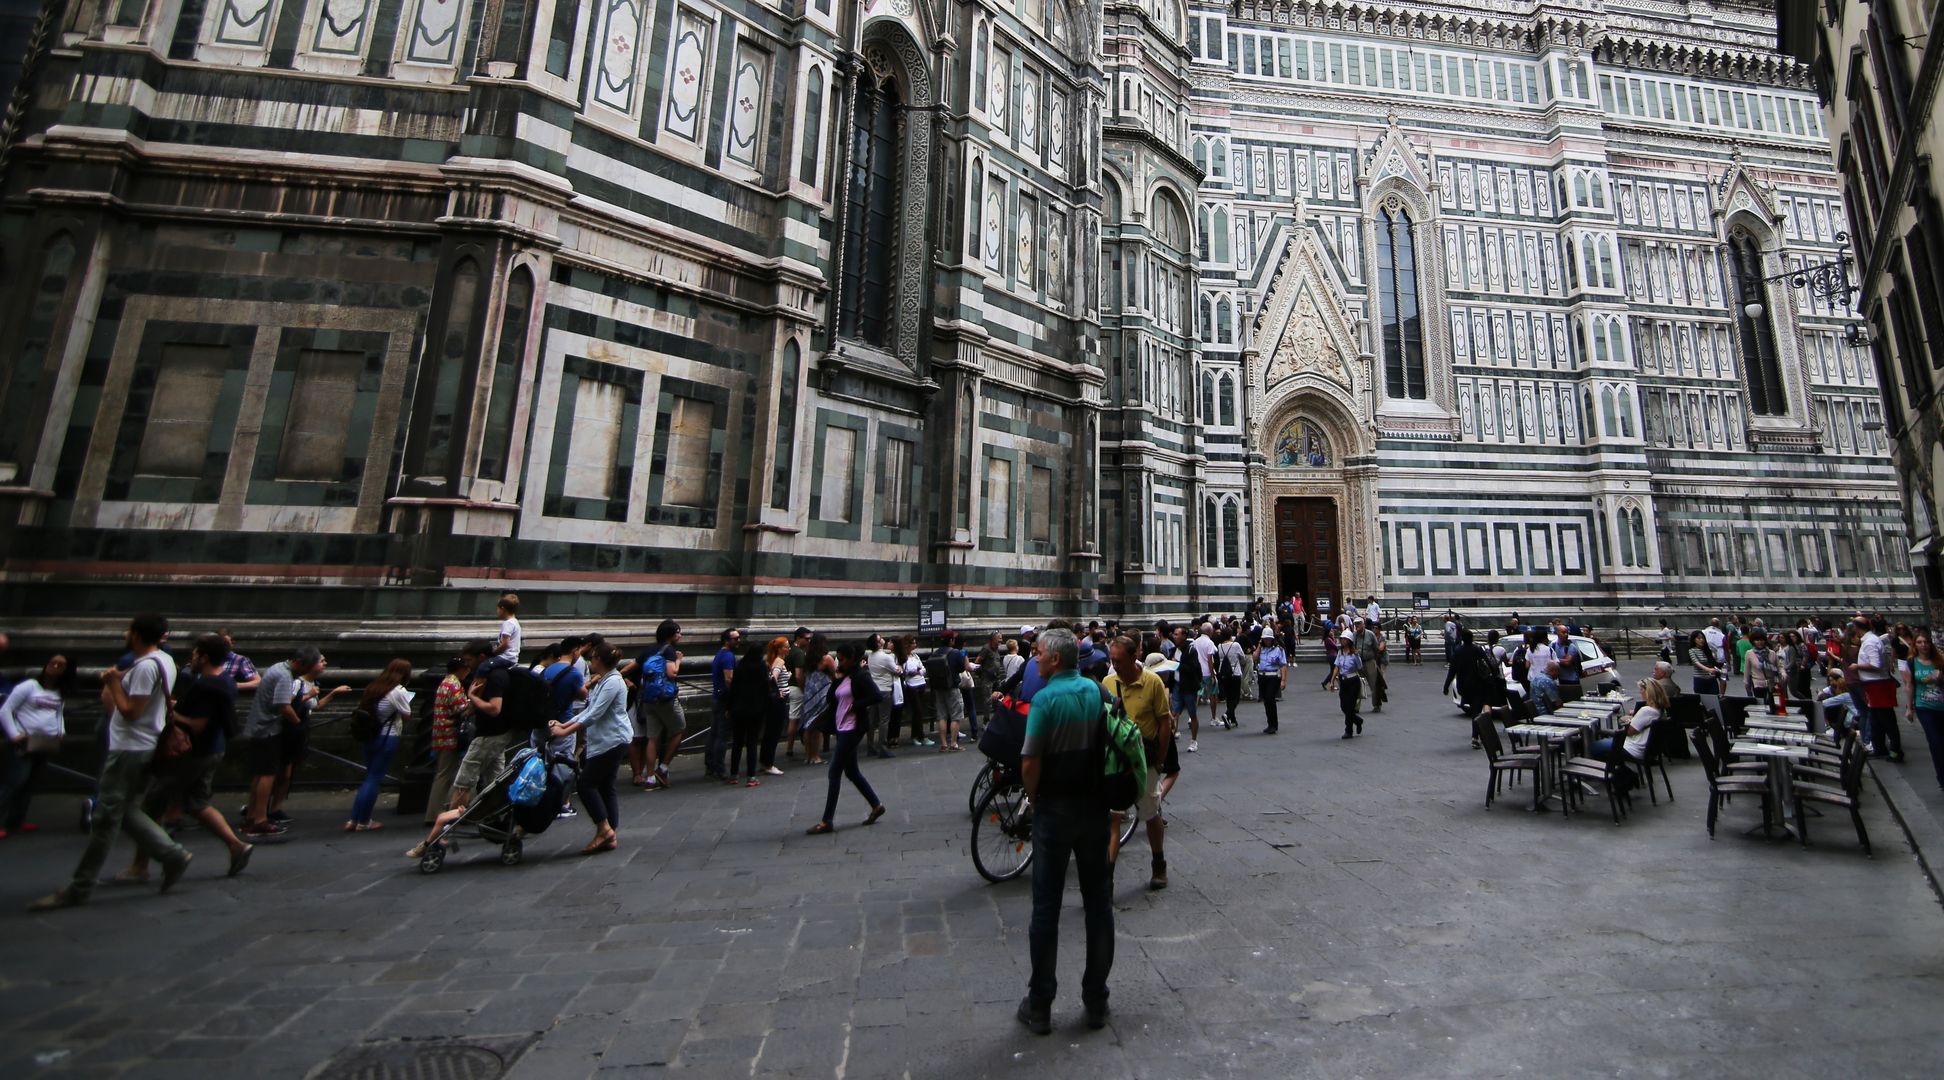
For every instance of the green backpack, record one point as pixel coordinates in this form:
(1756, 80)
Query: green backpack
(1123, 772)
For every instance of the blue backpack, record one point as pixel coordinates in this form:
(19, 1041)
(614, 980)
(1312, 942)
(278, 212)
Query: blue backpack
(655, 683)
(530, 786)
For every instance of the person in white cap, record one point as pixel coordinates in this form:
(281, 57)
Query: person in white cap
(1349, 671)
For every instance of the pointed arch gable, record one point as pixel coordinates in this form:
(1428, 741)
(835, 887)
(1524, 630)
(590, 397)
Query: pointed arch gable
(1301, 300)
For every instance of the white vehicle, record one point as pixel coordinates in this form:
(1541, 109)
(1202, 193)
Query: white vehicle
(1597, 671)
(1598, 675)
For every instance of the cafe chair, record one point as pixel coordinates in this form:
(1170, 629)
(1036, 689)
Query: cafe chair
(1502, 763)
(1724, 759)
(1721, 786)
(1849, 797)
(1660, 738)
(1686, 711)
(1734, 712)
(1613, 775)
(1825, 765)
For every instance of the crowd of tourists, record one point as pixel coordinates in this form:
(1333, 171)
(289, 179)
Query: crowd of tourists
(169, 724)
(171, 719)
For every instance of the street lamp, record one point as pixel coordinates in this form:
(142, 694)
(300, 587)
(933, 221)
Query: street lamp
(1827, 280)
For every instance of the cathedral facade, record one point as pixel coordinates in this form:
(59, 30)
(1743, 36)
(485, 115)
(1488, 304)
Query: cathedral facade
(765, 312)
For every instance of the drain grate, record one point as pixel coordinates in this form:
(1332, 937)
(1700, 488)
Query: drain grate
(425, 1059)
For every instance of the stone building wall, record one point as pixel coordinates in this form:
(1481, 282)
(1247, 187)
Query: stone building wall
(361, 311)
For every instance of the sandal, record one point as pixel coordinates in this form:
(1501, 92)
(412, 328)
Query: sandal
(371, 826)
(753, 782)
(350, 826)
(819, 829)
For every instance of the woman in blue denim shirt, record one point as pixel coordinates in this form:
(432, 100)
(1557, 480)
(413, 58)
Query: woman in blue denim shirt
(608, 730)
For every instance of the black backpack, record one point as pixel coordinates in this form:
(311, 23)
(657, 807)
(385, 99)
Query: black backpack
(364, 724)
(938, 671)
(527, 704)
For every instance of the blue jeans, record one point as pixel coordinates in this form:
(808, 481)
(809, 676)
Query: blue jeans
(1184, 701)
(843, 763)
(378, 755)
(1063, 827)
(1545, 692)
(1932, 721)
(715, 752)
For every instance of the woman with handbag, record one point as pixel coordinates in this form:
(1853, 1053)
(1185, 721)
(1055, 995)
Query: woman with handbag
(33, 723)
(819, 671)
(851, 700)
(377, 722)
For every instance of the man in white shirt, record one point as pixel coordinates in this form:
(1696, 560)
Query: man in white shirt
(1374, 614)
(1873, 679)
(1716, 639)
(1541, 673)
(138, 707)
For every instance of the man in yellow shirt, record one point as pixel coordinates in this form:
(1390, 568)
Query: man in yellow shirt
(1145, 698)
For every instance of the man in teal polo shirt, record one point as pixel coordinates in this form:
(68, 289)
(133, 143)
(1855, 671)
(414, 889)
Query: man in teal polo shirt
(1060, 766)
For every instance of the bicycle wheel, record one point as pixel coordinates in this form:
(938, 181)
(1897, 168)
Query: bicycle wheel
(1130, 820)
(1002, 834)
(981, 786)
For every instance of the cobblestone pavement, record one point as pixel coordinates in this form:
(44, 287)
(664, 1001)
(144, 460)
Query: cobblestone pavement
(1338, 909)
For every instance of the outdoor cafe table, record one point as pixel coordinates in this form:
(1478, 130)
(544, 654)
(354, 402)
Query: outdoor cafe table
(1554, 735)
(1770, 722)
(1780, 758)
(1590, 727)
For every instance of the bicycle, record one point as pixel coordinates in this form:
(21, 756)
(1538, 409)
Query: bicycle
(1002, 826)
(1002, 830)
(981, 787)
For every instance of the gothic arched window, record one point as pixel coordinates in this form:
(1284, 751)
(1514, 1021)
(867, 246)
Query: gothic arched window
(1211, 540)
(1231, 533)
(1398, 293)
(870, 214)
(1766, 396)
(1227, 396)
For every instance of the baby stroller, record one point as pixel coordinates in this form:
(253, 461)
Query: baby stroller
(492, 816)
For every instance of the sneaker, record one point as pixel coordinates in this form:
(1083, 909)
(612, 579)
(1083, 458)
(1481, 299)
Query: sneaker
(280, 817)
(1897, 756)
(1037, 1018)
(653, 783)
(567, 812)
(772, 771)
(264, 829)
(1194, 745)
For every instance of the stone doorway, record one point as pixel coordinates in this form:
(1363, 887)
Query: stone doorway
(1308, 555)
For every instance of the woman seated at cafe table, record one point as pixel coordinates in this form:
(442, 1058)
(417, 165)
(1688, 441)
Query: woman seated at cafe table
(1653, 699)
